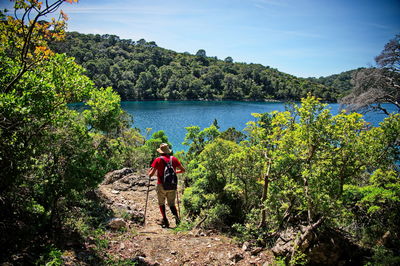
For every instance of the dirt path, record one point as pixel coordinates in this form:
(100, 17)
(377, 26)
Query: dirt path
(153, 245)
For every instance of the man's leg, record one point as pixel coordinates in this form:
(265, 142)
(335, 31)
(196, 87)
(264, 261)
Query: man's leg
(171, 195)
(162, 210)
(161, 195)
(175, 213)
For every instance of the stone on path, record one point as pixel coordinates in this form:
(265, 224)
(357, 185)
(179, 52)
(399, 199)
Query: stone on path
(117, 223)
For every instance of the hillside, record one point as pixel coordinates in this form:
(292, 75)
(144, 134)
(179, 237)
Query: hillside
(140, 70)
(341, 82)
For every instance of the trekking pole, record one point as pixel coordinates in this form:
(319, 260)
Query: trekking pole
(177, 199)
(147, 198)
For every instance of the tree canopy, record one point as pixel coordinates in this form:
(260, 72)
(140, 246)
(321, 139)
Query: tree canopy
(50, 154)
(303, 168)
(143, 71)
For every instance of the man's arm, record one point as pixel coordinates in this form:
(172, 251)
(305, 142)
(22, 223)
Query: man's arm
(181, 169)
(151, 171)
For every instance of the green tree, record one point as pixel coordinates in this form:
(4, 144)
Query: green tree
(50, 154)
(233, 135)
(201, 53)
(196, 139)
(105, 113)
(303, 167)
(165, 74)
(228, 59)
(154, 143)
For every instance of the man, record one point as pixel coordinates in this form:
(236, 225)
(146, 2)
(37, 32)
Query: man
(159, 165)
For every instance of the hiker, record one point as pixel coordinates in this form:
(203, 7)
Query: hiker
(169, 192)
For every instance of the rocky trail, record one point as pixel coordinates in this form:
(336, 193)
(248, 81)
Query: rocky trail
(125, 193)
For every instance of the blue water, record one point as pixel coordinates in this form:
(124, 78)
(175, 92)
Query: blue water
(174, 116)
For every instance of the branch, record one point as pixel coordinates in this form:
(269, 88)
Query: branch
(27, 38)
(199, 224)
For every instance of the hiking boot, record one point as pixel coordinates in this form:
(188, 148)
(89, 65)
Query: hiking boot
(177, 220)
(165, 223)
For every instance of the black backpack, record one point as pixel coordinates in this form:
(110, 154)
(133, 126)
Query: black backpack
(170, 180)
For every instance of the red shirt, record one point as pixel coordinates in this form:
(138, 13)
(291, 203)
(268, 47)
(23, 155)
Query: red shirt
(159, 165)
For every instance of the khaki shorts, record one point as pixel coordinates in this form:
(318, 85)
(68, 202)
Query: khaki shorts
(165, 194)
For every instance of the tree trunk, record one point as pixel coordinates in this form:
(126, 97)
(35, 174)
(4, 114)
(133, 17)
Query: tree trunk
(264, 195)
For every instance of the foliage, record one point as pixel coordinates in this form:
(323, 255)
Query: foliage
(383, 256)
(340, 82)
(196, 139)
(184, 226)
(50, 154)
(375, 207)
(224, 184)
(142, 71)
(53, 257)
(154, 143)
(105, 113)
(25, 38)
(314, 167)
(233, 135)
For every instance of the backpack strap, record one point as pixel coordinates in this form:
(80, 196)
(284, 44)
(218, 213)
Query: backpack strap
(170, 160)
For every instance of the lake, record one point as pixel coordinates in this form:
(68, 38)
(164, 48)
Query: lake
(174, 116)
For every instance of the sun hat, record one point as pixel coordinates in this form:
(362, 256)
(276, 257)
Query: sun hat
(164, 148)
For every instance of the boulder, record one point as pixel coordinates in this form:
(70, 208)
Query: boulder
(323, 246)
(115, 175)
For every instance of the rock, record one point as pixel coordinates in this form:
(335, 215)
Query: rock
(120, 186)
(322, 247)
(67, 260)
(117, 223)
(293, 238)
(141, 254)
(115, 191)
(127, 179)
(256, 251)
(120, 206)
(236, 258)
(255, 261)
(245, 246)
(113, 176)
(139, 260)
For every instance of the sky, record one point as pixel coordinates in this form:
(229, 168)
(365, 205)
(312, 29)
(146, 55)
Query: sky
(305, 38)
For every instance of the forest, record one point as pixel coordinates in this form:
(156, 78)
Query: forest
(140, 70)
(294, 182)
